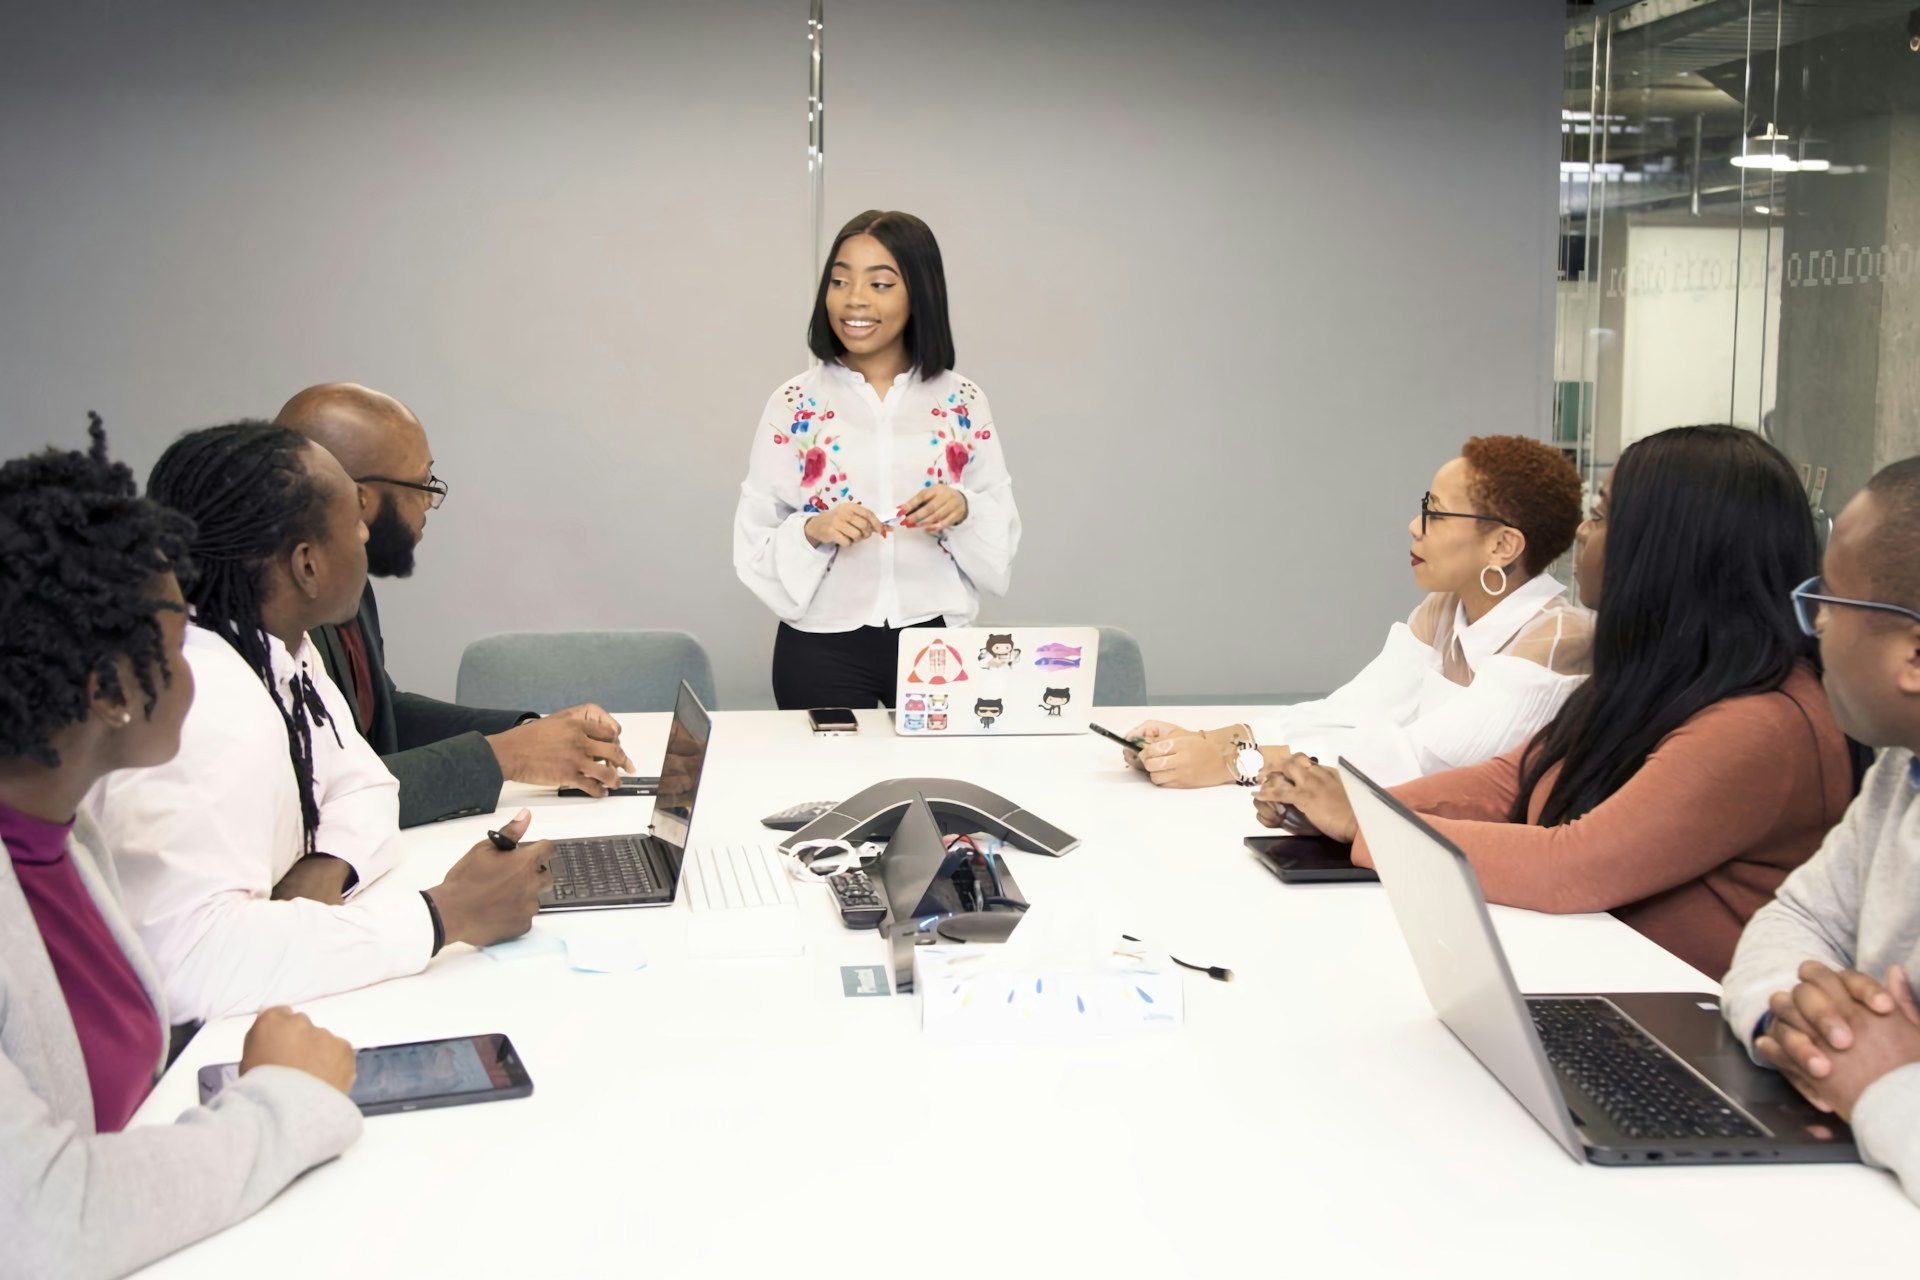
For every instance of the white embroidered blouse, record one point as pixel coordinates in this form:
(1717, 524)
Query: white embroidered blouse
(1445, 693)
(826, 438)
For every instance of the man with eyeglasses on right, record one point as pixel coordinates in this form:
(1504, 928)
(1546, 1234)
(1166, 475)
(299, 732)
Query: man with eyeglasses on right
(450, 760)
(1820, 983)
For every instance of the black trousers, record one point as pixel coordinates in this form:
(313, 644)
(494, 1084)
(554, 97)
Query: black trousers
(837, 668)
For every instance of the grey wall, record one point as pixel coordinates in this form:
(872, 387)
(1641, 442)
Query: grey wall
(1236, 276)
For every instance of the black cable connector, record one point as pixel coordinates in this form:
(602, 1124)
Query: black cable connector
(1219, 973)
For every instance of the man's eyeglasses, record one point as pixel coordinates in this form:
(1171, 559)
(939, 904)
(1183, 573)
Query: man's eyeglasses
(1430, 512)
(434, 485)
(1807, 603)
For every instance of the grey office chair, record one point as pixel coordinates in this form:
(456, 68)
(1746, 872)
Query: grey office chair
(1121, 680)
(620, 670)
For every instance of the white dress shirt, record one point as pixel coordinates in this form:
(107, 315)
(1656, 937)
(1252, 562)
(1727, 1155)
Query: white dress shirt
(199, 843)
(825, 439)
(1445, 693)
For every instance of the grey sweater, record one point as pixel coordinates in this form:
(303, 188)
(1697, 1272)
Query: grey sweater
(75, 1203)
(1854, 905)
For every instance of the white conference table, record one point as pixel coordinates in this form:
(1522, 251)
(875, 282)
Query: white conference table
(733, 1117)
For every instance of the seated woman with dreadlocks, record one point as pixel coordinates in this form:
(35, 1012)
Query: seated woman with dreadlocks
(91, 680)
(241, 858)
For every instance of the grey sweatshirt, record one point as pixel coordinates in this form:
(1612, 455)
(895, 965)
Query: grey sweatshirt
(83, 1205)
(1854, 905)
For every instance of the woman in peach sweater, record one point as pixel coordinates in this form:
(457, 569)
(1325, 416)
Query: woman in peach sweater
(1700, 764)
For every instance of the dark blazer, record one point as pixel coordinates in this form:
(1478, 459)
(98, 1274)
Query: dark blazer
(436, 749)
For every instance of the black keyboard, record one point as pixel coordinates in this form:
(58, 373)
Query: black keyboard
(1644, 1090)
(601, 867)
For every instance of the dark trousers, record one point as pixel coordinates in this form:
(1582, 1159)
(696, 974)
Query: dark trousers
(837, 668)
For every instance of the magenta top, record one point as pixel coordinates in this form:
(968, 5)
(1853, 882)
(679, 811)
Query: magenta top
(120, 1033)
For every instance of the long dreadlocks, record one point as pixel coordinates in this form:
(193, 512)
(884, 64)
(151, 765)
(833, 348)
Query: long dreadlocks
(246, 488)
(78, 554)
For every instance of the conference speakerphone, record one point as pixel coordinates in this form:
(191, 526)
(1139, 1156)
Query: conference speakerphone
(960, 808)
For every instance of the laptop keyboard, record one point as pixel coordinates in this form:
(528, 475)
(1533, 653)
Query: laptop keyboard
(601, 867)
(1644, 1090)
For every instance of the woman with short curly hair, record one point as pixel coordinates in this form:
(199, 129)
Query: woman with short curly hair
(1479, 666)
(92, 680)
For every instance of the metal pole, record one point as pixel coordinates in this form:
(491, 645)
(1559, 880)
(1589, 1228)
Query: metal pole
(816, 141)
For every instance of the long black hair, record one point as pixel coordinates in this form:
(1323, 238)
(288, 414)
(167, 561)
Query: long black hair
(1708, 532)
(929, 335)
(246, 488)
(79, 550)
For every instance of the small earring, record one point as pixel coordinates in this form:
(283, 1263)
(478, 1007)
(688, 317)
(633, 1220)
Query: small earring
(1494, 591)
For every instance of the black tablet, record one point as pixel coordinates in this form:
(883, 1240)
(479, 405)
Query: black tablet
(1308, 859)
(420, 1076)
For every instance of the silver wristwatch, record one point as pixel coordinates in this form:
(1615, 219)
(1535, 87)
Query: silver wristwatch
(1247, 762)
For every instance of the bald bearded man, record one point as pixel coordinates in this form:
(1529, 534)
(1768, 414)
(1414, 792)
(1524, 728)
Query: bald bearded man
(450, 759)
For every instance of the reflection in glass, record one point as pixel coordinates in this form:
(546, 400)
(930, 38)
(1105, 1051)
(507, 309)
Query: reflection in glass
(1740, 218)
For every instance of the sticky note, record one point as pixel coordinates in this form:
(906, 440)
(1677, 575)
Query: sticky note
(605, 955)
(534, 942)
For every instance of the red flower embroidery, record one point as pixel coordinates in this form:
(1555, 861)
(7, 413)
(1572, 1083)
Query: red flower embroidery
(956, 458)
(815, 467)
(983, 435)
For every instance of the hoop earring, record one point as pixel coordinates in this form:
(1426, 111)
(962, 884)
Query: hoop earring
(1494, 591)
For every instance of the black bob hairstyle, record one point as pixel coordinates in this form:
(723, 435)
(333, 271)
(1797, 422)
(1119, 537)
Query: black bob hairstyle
(929, 336)
(1708, 532)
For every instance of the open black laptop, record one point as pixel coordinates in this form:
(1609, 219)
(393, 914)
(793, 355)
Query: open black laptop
(1650, 1077)
(639, 870)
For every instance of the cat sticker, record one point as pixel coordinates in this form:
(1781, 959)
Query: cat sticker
(999, 651)
(1053, 699)
(989, 710)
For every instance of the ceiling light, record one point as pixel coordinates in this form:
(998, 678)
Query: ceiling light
(1767, 160)
(1761, 208)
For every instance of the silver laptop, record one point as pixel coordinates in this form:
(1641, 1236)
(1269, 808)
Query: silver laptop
(987, 682)
(1616, 1079)
(642, 869)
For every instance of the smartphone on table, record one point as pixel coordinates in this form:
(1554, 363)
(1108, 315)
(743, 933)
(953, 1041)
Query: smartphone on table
(629, 786)
(1131, 744)
(418, 1076)
(832, 721)
(1309, 859)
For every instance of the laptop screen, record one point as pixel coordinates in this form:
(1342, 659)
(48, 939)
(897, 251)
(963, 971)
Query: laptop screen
(680, 771)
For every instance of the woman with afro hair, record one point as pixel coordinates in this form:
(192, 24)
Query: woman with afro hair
(92, 680)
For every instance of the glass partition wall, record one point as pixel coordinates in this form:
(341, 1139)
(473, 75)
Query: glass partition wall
(1740, 230)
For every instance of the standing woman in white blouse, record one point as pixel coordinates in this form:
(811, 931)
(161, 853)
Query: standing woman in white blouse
(877, 495)
(1478, 668)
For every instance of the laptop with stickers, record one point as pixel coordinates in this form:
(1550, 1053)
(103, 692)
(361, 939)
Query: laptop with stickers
(994, 681)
